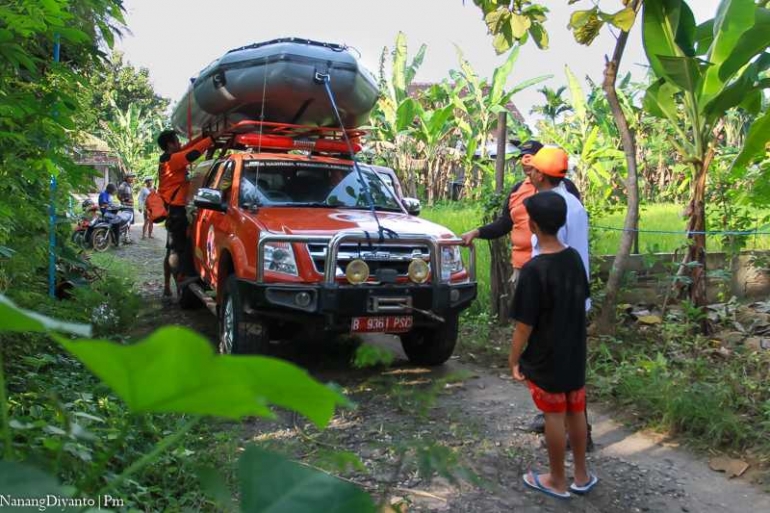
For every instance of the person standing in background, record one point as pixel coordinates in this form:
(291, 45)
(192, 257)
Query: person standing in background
(513, 219)
(146, 190)
(126, 190)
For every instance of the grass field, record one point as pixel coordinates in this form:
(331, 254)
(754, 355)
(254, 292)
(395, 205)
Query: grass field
(460, 218)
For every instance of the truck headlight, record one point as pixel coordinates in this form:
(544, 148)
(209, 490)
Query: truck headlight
(451, 261)
(279, 258)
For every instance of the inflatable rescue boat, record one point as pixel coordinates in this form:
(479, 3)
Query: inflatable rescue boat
(279, 81)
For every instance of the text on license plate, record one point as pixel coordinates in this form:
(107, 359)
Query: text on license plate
(389, 324)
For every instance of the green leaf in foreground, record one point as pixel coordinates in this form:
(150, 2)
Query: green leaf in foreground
(272, 484)
(175, 370)
(21, 481)
(13, 318)
(756, 141)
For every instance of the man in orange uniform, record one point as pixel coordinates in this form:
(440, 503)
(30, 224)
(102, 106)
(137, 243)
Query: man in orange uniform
(173, 186)
(514, 219)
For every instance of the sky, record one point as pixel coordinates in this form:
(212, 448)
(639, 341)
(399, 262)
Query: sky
(175, 39)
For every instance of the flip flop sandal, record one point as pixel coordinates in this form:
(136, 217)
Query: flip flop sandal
(582, 490)
(540, 487)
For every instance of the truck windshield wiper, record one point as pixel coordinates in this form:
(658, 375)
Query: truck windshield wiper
(311, 204)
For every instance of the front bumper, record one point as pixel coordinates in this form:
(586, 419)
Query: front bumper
(337, 302)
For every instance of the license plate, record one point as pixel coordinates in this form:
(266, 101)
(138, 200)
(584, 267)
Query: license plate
(389, 324)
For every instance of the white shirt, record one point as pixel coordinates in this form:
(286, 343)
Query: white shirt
(143, 197)
(574, 233)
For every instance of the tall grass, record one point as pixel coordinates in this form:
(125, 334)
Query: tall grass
(664, 217)
(462, 217)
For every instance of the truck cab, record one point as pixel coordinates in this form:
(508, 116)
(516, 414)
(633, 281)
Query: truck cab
(309, 244)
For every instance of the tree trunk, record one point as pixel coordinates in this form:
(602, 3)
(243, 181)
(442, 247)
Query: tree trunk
(696, 251)
(498, 248)
(606, 321)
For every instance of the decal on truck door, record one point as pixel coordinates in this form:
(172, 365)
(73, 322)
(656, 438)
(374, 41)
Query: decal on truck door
(211, 248)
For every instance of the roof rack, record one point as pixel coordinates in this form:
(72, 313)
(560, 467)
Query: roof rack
(271, 136)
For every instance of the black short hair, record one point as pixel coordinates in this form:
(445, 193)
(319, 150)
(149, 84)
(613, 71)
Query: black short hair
(554, 180)
(548, 210)
(110, 189)
(166, 137)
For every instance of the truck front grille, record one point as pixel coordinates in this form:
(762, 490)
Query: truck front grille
(379, 256)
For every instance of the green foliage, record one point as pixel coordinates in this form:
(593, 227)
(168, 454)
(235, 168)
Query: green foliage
(425, 135)
(290, 487)
(187, 377)
(175, 370)
(131, 135)
(734, 60)
(514, 22)
(554, 103)
(703, 74)
(117, 87)
(679, 382)
(461, 217)
(590, 134)
(372, 356)
(41, 111)
(32, 322)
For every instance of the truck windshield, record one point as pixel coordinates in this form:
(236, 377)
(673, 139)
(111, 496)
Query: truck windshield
(315, 184)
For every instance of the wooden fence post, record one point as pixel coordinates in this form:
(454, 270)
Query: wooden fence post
(499, 248)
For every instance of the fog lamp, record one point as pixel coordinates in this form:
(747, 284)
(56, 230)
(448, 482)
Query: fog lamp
(418, 271)
(302, 299)
(357, 272)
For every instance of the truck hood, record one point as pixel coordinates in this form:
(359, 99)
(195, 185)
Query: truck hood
(329, 221)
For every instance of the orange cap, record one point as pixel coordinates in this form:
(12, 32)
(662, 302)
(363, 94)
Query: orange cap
(549, 161)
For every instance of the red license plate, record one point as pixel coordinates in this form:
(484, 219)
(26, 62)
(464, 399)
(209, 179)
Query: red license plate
(389, 324)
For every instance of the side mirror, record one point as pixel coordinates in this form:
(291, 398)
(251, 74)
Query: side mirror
(210, 199)
(412, 205)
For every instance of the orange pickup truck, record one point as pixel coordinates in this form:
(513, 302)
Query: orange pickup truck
(307, 244)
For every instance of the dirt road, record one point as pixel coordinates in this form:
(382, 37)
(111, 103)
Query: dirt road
(478, 412)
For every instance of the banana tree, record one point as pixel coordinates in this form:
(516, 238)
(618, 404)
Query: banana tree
(130, 135)
(554, 103)
(479, 102)
(435, 126)
(703, 72)
(590, 135)
(393, 118)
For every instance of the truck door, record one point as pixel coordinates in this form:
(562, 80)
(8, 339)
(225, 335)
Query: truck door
(201, 225)
(214, 226)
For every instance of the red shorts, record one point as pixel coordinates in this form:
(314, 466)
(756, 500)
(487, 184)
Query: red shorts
(558, 402)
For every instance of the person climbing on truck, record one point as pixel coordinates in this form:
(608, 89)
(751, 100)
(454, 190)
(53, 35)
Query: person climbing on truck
(173, 186)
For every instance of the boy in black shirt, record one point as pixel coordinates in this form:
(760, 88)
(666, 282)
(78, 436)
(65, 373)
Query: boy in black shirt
(549, 310)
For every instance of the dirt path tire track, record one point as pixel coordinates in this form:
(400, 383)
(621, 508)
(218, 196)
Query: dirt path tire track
(638, 472)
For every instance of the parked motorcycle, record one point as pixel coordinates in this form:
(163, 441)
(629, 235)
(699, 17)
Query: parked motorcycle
(81, 235)
(113, 227)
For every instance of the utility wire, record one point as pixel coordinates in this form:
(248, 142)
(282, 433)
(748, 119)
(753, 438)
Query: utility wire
(673, 232)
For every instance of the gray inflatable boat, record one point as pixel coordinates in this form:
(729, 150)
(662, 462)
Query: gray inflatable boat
(282, 79)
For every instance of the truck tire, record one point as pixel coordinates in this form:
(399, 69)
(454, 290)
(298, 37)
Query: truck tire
(431, 346)
(237, 334)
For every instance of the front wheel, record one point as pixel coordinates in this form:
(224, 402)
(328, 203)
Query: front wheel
(100, 239)
(431, 346)
(237, 333)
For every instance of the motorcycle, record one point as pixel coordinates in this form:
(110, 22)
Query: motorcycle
(81, 235)
(112, 227)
